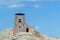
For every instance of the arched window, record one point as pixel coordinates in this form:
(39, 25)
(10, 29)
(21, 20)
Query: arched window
(27, 29)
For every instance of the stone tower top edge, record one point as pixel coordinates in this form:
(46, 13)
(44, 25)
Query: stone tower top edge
(20, 14)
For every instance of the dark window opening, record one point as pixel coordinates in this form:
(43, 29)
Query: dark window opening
(27, 29)
(19, 20)
(19, 26)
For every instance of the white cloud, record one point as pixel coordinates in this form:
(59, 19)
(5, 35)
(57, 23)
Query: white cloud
(37, 27)
(15, 1)
(37, 6)
(17, 6)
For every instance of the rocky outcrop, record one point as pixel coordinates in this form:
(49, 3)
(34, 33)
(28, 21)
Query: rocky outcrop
(5, 35)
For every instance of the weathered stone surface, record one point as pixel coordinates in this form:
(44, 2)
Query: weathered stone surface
(19, 36)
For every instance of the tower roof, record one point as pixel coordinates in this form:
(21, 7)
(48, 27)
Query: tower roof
(19, 14)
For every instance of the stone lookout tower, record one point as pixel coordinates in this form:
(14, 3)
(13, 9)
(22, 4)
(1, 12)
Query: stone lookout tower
(19, 20)
(20, 25)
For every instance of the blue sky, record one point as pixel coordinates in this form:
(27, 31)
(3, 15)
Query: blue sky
(43, 14)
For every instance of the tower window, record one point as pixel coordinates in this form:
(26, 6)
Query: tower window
(19, 20)
(27, 29)
(19, 26)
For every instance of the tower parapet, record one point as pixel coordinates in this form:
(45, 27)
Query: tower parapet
(19, 18)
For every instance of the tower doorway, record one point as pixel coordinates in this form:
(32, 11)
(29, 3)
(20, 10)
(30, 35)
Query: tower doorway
(27, 29)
